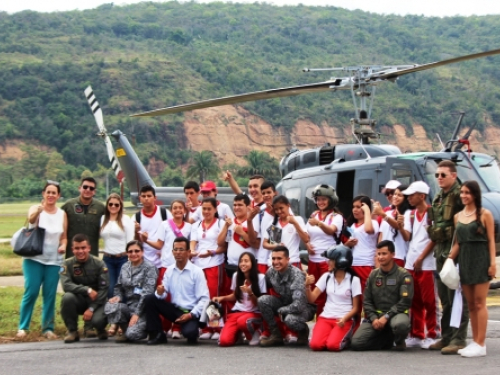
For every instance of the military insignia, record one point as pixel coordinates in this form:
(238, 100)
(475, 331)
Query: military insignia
(104, 269)
(405, 294)
(77, 271)
(407, 280)
(93, 212)
(378, 281)
(62, 270)
(103, 282)
(78, 209)
(391, 282)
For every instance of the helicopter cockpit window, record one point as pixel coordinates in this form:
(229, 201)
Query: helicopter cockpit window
(293, 196)
(310, 205)
(402, 175)
(292, 164)
(309, 157)
(488, 169)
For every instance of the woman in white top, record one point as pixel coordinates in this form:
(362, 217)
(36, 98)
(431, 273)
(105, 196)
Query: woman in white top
(393, 223)
(117, 230)
(292, 229)
(336, 324)
(363, 241)
(43, 270)
(324, 228)
(206, 254)
(247, 286)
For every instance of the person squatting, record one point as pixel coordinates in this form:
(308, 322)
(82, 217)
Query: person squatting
(202, 272)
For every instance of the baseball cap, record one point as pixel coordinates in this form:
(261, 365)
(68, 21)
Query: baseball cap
(391, 185)
(417, 187)
(208, 186)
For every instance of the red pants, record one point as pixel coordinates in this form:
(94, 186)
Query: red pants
(399, 262)
(328, 335)
(423, 306)
(166, 324)
(236, 322)
(262, 268)
(318, 269)
(218, 285)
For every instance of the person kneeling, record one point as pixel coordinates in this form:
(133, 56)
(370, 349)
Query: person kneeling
(387, 299)
(247, 285)
(137, 280)
(188, 290)
(290, 303)
(336, 324)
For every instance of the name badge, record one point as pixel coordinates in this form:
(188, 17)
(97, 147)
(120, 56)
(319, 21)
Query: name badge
(137, 290)
(391, 282)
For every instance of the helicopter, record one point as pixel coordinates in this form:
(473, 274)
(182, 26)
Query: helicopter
(364, 168)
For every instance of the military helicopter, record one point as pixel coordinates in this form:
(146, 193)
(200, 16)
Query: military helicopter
(364, 168)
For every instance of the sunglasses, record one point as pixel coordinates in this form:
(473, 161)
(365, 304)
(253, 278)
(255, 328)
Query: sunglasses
(387, 193)
(85, 187)
(134, 251)
(113, 204)
(442, 175)
(52, 182)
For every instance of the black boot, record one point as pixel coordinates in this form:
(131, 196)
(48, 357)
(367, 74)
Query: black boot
(156, 338)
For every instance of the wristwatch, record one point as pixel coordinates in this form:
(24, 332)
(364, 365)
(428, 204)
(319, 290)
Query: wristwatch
(91, 309)
(387, 316)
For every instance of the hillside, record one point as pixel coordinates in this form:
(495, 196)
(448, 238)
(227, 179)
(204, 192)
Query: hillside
(152, 55)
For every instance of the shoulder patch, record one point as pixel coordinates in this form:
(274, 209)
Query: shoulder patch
(104, 269)
(407, 280)
(62, 270)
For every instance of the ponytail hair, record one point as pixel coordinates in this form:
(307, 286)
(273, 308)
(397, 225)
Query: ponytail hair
(213, 202)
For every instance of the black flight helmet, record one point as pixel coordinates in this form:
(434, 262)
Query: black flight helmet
(341, 254)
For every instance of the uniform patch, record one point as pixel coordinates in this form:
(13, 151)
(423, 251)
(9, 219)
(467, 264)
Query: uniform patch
(348, 292)
(62, 270)
(78, 209)
(104, 269)
(407, 280)
(378, 281)
(391, 282)
(93, 212)
(405, 294)
(77, 271)
(103, 282)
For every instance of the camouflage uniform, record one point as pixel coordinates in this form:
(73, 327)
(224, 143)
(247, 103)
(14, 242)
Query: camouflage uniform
(290, 303)
(76, 279)
(385, 293)
(444, 208)
(86, 220)
(133, 285)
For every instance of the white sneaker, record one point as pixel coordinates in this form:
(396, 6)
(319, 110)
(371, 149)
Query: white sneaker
(205, 336)
(21, 334)
(413, 342)
(426, 343)
(291, 339)
(176, 335)
(472, 343)
(169, 334)
(474, 351)
(50, 335)
(215, 336)
(255, 339)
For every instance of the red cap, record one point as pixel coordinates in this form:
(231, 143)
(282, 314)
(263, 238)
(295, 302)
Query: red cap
(208, 186)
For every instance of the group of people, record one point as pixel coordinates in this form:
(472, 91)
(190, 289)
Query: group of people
(371, 280)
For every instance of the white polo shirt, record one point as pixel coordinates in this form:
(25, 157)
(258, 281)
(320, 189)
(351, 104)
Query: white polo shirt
(319, 239)
(207, 240)
(222, 209)
(364, 252)
(167, 235)
(264, 254)
(338, 296)
(235, 249)
(246, 304)
(419, 240)
(388, 234)
(290, 238)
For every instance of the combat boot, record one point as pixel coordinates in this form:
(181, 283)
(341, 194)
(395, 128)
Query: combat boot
(274, 339)
(71, 336)
(102, 335)
(303, 336)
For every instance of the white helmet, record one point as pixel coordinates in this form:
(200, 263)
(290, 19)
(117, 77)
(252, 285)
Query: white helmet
(325, 191)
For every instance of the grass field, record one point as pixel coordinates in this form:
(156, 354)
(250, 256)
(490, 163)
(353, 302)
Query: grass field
(9, 315)
(10, 263)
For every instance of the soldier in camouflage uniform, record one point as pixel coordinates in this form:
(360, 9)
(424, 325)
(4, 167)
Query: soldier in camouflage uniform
(387, 300)
(126, 308)
(290, 303)
(85, 280)
(446, 204)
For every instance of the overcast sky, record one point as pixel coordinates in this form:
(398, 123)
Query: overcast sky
(439, 8)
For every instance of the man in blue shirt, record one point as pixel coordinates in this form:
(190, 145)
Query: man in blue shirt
(188, 291)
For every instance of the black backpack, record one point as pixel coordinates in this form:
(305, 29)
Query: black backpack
(163, 212)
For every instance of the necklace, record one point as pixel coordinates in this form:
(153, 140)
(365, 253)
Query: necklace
(472, 213)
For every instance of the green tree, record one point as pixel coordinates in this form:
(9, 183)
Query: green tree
(259, 162)
(54, 166)
(203, 165)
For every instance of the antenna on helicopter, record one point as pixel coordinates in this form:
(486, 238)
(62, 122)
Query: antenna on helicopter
(454, 139)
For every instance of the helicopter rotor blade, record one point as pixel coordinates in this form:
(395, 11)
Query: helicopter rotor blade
(418, 68)
(336, 84)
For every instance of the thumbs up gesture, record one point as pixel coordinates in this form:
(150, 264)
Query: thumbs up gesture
(310, 279)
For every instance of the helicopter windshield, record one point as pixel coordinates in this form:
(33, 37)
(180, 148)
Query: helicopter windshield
(488, 169)
(465, 172)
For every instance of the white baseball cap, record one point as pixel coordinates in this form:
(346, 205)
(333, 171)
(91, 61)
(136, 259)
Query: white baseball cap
(417, 187)
(391, 185)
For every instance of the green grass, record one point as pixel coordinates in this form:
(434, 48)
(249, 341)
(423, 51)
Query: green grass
(10, 301)
(16, 208)
(11, 224)
(10, 263)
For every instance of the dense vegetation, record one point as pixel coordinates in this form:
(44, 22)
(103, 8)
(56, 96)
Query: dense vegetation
(151, 55)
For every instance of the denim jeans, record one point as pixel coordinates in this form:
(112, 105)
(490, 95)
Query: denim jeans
(114, 266)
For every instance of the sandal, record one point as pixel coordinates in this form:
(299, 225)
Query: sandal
(112, 329)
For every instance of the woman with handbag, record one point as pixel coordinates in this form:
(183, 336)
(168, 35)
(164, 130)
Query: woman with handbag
(117, 230)
(474, 249)
(42, 271)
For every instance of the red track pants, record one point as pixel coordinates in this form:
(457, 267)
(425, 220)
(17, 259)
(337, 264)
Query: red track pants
(236, 322)
(328, 335)
(218, 285)
(423, 306)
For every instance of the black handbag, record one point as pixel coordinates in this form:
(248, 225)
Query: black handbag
(29, 242)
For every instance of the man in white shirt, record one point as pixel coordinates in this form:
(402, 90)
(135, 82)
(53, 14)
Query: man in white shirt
(188, 291)
(192, 193)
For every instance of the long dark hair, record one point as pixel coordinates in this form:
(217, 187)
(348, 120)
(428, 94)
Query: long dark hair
(253, 277)
(213, 202)
(475, 191)
(107, 214)
(401, 209)
(363, 199)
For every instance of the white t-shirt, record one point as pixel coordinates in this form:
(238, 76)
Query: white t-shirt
(115, 238)
(338, 296)
(246, 304)
(419, 240)
(290, 238)
(192, 212)
(234, 249)
(319, 239)
(151, 225)
(54, 227)
(167, 235)
(388, 234)
(207, 240)
(222, 209)
(364, 252)
(264, 254)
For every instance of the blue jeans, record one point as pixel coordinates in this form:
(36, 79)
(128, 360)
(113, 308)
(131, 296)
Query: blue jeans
(114, 267)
